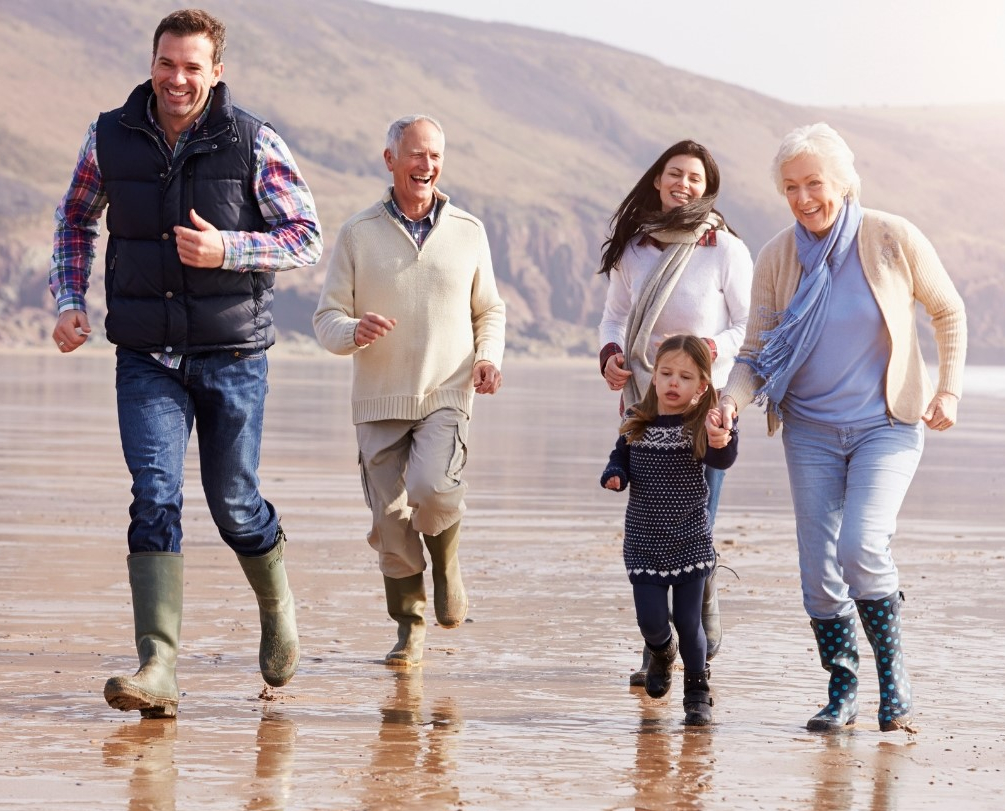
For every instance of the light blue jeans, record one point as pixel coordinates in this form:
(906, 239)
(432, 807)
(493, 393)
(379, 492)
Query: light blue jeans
(848, 483)
(223, 395)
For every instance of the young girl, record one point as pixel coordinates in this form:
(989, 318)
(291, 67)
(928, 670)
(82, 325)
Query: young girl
(662, 451)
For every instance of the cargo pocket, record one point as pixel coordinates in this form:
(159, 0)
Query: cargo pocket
(459, 457)
(363, 480)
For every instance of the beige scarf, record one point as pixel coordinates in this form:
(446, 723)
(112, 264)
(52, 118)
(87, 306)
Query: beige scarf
(655, 294)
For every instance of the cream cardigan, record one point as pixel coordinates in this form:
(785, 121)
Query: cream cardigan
(901, 267)
(444, 298)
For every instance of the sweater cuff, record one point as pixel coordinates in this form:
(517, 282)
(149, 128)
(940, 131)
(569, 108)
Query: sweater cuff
(606, 353)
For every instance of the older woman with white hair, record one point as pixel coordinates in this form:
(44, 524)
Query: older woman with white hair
(832, 350)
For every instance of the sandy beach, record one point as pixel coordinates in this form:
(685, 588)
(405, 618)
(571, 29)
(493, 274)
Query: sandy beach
(527, 705)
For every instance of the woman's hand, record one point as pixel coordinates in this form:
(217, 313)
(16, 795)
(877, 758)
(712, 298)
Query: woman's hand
(719, 423)
(941, 412)
(615, 372)
(718, 437)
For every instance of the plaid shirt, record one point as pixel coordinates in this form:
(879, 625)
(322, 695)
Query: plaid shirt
(293, 239)
(419, 229)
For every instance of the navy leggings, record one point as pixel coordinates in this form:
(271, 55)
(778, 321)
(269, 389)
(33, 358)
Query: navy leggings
(653, 613)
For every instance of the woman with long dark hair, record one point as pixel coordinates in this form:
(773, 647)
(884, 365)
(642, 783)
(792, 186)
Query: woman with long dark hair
(674, 267)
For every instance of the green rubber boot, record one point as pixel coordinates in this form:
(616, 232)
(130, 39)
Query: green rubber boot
(450, 601)
(156, 580)
(406, 604)
(279, 649)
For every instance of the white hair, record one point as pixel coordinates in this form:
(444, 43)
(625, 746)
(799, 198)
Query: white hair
(822, 141)
(396, 131)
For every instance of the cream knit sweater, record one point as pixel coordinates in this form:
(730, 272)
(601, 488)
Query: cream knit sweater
(901, 267)
(444, 298)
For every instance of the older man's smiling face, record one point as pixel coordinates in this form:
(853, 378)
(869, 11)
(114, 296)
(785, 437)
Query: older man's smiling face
(416, 168)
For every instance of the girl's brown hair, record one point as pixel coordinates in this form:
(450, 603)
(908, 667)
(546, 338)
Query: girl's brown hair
(640, 416)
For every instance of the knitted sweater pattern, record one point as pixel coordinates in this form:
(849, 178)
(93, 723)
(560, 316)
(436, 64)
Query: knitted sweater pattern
(668, 536)
(443, 296)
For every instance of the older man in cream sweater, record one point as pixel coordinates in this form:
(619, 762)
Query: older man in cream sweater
(410, 294)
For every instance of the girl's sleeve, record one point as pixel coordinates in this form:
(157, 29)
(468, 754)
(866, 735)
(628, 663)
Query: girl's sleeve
(617, 465)
(722, 458)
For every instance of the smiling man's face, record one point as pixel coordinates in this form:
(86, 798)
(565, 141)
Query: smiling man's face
(182, 73)
(416, 168)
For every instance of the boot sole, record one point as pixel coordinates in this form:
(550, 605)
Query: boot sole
(823, 725)
(400, 663)
(274, 679)
(897, 724)
(126, 697)
(450, 620)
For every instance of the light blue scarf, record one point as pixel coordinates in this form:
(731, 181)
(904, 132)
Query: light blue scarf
(787, 346)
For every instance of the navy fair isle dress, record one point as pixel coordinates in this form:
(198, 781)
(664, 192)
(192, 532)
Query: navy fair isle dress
(668, 539)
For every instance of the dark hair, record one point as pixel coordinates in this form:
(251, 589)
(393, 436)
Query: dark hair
(188, 21)
(645, 412)
(640, 211)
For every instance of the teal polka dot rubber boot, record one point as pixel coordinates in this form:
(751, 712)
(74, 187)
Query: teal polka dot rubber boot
(838, 645)
(881, 623)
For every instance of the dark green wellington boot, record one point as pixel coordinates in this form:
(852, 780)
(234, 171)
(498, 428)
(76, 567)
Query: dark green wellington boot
(881, 623)
(838, 646)
(450, 601)
(406, 604)
(658, 673)
(697, 698)
(279, 649)
(710, 619)
(156, 580)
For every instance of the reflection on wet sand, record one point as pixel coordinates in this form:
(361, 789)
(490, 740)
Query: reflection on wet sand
(411, 760)
(842, 767)
(525, 707)
(147, 750)
(673, 764)
(276, 741)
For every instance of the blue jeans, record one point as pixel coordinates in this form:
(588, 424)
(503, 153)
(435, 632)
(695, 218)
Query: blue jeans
(848, 483)
(223, 395)
(713, 478)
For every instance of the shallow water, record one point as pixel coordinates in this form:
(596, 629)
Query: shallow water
(527, 704)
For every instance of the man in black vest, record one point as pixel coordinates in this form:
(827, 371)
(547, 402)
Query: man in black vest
(204, 204)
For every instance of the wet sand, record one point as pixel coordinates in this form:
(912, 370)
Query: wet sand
(527, 705)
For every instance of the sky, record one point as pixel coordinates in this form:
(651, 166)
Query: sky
(808, 52)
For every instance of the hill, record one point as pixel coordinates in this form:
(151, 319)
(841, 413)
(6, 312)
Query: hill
(545, 134)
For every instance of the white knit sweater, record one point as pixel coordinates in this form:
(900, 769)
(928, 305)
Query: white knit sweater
(443, 296)
(711, 299)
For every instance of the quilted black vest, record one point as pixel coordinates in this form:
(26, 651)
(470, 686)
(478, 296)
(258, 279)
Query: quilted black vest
(155, 303)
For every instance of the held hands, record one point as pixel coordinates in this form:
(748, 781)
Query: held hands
(615, 372)
(941, 412)
(71, 330)
(199, 247)
(486, 378)
(719, 422)
(371, 327)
